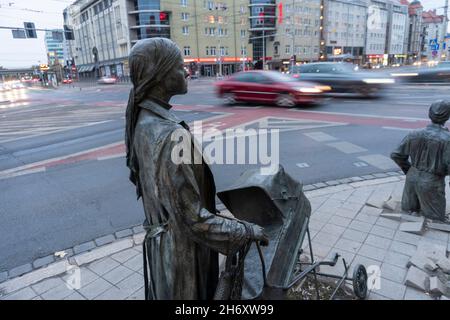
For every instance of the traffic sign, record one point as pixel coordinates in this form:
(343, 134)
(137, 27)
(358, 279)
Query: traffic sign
(433, 42)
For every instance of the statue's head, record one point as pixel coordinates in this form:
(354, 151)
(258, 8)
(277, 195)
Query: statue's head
(157, 63)
(439, 111)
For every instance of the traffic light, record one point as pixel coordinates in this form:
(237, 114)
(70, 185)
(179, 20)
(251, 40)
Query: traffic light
(68, 33)
(19, 34)
(30, 29)
(162, 16)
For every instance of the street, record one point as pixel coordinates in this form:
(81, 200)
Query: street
(64, 181)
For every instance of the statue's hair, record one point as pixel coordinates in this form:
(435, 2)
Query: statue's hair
(439, 111)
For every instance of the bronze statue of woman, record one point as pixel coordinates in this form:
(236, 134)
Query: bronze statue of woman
(184, 234)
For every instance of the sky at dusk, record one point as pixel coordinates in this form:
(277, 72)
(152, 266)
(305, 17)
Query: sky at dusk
(47, 14)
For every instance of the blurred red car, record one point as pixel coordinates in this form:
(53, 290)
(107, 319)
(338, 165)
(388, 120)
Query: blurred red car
(269, 87)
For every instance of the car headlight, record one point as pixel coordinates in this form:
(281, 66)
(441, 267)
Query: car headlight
(378, 81)
(309, 89)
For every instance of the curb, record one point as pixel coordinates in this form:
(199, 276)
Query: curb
(103, 246)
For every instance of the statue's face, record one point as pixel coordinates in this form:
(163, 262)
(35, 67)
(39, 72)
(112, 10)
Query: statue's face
(176, 79)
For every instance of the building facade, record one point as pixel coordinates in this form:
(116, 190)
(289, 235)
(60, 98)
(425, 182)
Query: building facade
(377, 22)
(345, 29)
(213, 36)
(55, 47)
(396, 32)
(297, 37)
(433, 46)
(415, 32)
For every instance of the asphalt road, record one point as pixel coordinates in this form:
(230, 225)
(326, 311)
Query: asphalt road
(63, 178)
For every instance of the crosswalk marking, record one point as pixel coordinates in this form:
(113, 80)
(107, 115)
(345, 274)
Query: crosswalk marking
(346, 147)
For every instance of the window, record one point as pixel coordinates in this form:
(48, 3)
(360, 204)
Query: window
(243, 50)
(242, 33)
(187, 51)
(207, 51)
(185, 30)
(184, 16)
(213, 51)
(288, 50)
(184, 3)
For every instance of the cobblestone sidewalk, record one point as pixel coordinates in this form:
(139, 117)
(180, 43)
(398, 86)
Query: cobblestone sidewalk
(340, 222)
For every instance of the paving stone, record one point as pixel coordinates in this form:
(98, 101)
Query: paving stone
(354, 235)
(316, 224)
(138, 295)
(356, 179)
(103, 251)
(372, 252)
(432, 249)
(20, 270)
(140, 229)
(104, 240)
(414, 294)
(131, 283)
(360, 226)
(393, 273)
(332, 183)
(34, 277)
(124, 233)
(418, 279)
(407, 237)
(75, 296)
(134, 263)
(23, 294)
(348, 245)
(340, 221)
(84, 247)
(437, 235)
(413, 227)
(382, 232)
(124, 255)
(309, 187)
(345, 180)
(379, 242)
(47, 284)
(95, 288)
(380, 175)
(103, 266)
(57, 293)
(117, 274)
(353, 206)
(321, 216)
(439, 226)
(396, 259)
(403, 248)
(319, 250)
(333, 229)
(371, 211)
(411, 218)
(444, 264)
(387, 223)
(339, 268)
(43, 261)
(392, 204)
(375, 202)
(366, 218)
(374, 296)
(392, 216)
(391, 289)
(346, 213)
(423, 263)
(437, 287)
(3, 276)
(320, 185)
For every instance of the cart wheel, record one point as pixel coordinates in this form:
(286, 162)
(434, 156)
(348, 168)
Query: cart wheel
(360, 281)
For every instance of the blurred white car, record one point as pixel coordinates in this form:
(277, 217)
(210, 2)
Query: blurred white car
(107, 80)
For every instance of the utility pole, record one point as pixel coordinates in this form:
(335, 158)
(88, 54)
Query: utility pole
(264, 50)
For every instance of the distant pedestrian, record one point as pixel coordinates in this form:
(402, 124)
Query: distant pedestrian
(424, 156)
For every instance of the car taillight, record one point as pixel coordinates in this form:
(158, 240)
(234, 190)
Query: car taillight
(296, 76)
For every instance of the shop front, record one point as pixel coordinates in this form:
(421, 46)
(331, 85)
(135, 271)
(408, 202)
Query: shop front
(211, 67)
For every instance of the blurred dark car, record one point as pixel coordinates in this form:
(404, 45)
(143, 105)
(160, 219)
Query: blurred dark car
(268, 87)
(107, 80)
(421, 74)
(343, 78)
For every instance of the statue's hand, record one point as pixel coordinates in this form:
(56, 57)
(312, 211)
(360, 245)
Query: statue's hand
(259, 235)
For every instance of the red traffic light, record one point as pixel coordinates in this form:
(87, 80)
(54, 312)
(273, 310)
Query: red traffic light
(162, 16)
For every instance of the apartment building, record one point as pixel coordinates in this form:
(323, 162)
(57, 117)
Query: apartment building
(55, 47)
(396, 32)
(297, 36)
(433, 29)
(377, 24)
(415, 38)
(345, 29)
(212, 35)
